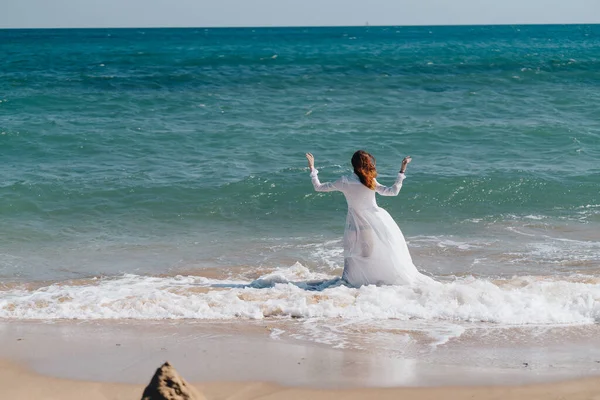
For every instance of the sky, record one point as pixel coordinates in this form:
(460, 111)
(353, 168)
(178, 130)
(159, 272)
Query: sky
(218, 13)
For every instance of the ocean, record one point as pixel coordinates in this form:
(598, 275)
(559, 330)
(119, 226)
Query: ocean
(160, 174)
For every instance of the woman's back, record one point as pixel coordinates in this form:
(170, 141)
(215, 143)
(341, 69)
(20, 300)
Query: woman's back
(358, 196)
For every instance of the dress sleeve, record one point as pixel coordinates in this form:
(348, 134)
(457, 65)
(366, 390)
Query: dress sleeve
(390, 190)
(325, 187)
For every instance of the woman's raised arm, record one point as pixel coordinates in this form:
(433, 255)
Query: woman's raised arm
(314, 175)
(390, 190)
(395, 188)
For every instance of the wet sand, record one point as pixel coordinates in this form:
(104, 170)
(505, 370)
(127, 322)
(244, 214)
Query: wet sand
(17, 382)
(253, 351)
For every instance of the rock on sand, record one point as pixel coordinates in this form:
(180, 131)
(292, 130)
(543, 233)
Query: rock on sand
(167, 384)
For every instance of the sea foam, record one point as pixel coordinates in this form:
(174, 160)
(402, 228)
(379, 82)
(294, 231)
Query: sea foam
(297, 292)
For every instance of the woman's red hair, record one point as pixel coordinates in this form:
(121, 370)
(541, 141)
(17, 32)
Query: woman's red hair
(364, 167)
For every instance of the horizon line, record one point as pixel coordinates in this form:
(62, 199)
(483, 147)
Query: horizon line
(367, 25)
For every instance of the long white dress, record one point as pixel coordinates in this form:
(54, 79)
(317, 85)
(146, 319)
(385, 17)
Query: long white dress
(375, 252)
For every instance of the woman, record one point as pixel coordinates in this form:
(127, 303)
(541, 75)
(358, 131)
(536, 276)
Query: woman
(375, 252)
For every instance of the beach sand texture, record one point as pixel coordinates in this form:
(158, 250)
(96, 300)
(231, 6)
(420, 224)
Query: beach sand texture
(19, 383)
(74, 360)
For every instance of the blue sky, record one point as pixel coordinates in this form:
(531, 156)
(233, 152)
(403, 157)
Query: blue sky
(149, 13)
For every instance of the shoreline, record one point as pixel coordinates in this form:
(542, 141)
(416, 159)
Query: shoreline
(20, 383)
(115, 360)
(128, 352)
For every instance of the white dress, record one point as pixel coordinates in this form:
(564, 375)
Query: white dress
(375, 252)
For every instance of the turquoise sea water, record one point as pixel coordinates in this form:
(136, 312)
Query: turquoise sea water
(132, 153)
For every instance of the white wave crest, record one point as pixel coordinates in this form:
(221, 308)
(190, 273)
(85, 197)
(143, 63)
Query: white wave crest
(298, 292)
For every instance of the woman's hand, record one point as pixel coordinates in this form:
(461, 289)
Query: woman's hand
(405, 163)
(311, 161)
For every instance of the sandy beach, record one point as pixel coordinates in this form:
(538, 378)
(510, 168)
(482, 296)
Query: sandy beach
(74, 360)
(20, 383)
